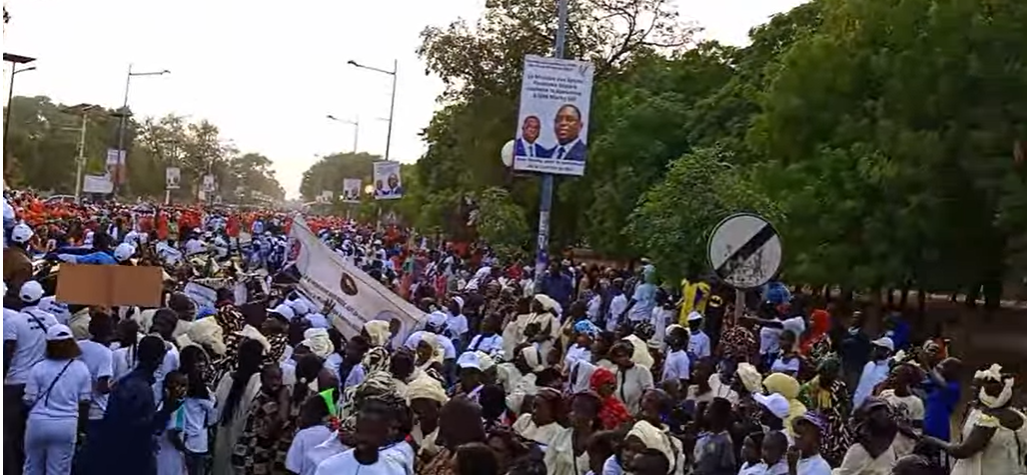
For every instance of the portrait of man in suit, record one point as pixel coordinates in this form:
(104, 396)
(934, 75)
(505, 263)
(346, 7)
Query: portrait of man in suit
(525, 145)
(567, 128)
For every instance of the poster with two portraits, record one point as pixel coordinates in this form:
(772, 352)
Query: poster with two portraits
(388, 183)
(552, 129)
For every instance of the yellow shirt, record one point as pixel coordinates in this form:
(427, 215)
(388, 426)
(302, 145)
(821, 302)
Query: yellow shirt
(695, 297)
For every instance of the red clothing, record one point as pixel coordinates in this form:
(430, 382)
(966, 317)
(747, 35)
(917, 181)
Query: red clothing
(613, 413)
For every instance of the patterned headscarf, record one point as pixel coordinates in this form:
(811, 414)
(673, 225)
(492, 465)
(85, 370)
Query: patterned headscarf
(586, 327)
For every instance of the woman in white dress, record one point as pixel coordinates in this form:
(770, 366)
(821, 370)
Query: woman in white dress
(994, 435)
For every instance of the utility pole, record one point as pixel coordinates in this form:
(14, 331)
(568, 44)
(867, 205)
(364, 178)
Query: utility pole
(80, 162)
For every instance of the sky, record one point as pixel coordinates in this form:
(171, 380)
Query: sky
(269, 76)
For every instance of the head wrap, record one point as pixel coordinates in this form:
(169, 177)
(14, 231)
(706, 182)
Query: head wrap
(644, 330)
(204, 333)
(654, 438)
(994, 373)
(438, 352)
(586, 327)
(252, 333)
(426, 387)
(600, 377)
(788, 387)
(547, 302)
(378, 331)
(750, 377)
(640, 351)
(830, 364)
(485, 360)
(317, 340)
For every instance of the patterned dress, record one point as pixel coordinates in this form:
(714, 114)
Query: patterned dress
(833, 403)
(259, 449)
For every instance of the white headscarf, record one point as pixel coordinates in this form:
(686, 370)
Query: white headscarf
(994, 373)
(317, 340)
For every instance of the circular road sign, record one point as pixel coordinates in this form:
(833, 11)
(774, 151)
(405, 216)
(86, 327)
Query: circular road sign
(745, 251)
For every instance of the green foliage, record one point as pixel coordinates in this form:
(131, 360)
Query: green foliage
(500, 222)
(43, 146)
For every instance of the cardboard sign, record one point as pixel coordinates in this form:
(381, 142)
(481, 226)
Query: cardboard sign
(109, 285)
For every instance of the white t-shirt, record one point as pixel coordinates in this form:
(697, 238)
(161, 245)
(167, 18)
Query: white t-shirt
(58, 310)
(631, 384)
(815, 465)
(489, 345)
(302, 443)
(194, 246)
(699, 344)
(395, 460)
(770, 340)
(456, 325)
(30, 335)
(193, 418)
(911, 407)
(873, 374)
(617, 306)
(99, 360)
(321, 452)
(576, 352)
(790, 366)
(677, 366)
(169, 364)
(55, 387)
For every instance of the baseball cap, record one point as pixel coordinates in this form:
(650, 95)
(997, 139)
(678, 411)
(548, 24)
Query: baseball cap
(21, 233)
(813, 418)
(437, 319)
(59, 332)
(469, 359)
(285, 311)
(884, 342)
(694, 316)
(123, 252)
(775, 403)
(30, 291)
(300, 308)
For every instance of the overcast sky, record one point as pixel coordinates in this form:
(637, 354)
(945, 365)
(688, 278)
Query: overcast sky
(267, 73)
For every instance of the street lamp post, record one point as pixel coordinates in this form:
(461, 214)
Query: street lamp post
(123, 116)
(15, 60)
(356, 128)
(392, 100)
(83, 110)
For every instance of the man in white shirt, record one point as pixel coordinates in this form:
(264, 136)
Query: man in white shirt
(804, 455)
(24, 346)
(164, 322)
(98, 357)
(618, 305)
(875, 371)
(677, 367)
(698, 341)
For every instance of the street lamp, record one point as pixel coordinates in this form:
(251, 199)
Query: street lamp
(356, 128)
(124, 114)
(392, 101)
(15, 60)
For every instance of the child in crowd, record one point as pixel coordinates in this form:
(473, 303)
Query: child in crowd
(170, 451)
(752, 458)
(313, 429)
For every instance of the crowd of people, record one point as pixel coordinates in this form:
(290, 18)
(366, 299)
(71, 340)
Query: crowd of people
(580, 370)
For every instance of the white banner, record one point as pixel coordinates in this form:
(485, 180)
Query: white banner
(354, 297)
(326, 196)
(351, 190)
(556, 95)
(97, 184)
(173, 177)
(388, 184)
(203, 296)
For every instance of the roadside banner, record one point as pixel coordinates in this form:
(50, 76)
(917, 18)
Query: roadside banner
(388, 182)
(347, 296)
(351, 190)
(552, 135)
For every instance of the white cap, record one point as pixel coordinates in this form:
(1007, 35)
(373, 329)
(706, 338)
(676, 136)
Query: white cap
(59, 332)
(21, 233)
(437, 319)
(485, 360)
(30, 291)
(884, 342)
(775, 403)
(123, 252)
(300, 307)
(469, 359)
(694, 316)
(285, 311)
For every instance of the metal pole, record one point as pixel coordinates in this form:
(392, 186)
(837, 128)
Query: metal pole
(121, 126)
(81, 161)
(7, 116)
(392, 106)
(546, 196)
(356, 134)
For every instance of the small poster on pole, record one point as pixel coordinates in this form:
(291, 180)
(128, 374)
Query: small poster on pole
(351, 190)
(173, 177)
(388, 184)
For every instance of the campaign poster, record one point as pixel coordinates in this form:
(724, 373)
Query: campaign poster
(552, 126)
(173, 177)
(351, 190)
(388, 185)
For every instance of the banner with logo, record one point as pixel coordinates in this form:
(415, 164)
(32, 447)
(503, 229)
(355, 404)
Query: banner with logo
(351, 297)
(351, 190)
(388, 184)
(173, 177)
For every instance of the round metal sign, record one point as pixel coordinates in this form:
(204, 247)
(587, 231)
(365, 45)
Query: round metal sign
(745, 251)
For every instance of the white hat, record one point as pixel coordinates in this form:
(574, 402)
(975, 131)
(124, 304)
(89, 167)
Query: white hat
(59, 332)
(694, 316)
(21, 233)
(285, 311)
(30, 291)
(469, 359)
(437, 319)
(123, 252)
(884, 342)
(775, 403)
(300, 307)
(485, 360)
